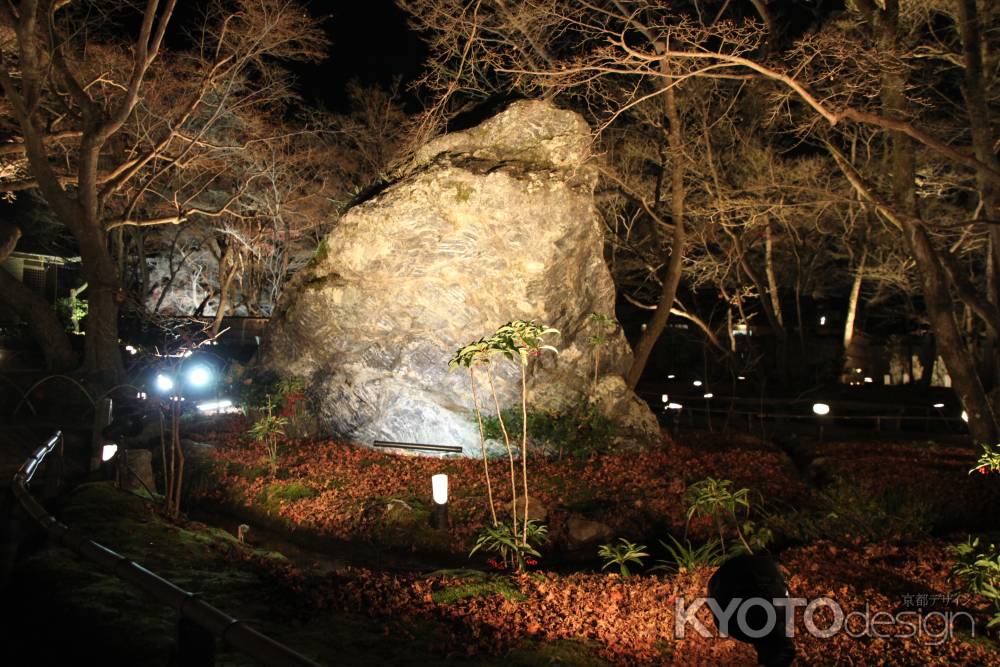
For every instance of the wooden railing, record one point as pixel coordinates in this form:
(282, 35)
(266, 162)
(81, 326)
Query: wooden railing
(200, 624)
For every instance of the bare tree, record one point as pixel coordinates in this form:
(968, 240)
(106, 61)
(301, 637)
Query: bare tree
(118, 133)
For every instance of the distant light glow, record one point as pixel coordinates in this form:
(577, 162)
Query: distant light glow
(709, 395)
(199, 376)
(671, 376)
(164, 383)
(740, 377)
(697, 383)
(965, 416)
(131, 349)
(664, 398)
(939, 405)
(108, 451)
(821, 409)
(225, 405)
(822, 320)
(674, 406)
(439, 488)
(868, 380)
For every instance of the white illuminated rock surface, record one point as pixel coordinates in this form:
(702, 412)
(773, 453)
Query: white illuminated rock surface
(488, 225)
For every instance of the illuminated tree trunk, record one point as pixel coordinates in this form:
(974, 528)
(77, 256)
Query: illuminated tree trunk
(934, 280)
(852, 302)
(668, 292)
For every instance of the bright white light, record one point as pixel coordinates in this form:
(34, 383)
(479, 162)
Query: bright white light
(697, 383)
(822, 320)
(868, 380)
(439, 486)
(939, 405)
(821, 409)
(709, 395)
(674, 406)
(965, 416)
(740, 377)
(131, 349)
(187, 353)
(164, 382)
(108, 451)
(671, 376)
(664, 398)
(199, 376)
(216, 406)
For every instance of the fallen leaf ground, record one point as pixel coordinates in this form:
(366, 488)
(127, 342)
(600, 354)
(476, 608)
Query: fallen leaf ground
(875, 536)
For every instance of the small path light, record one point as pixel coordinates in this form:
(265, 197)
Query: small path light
(439, 492)
(821, 410)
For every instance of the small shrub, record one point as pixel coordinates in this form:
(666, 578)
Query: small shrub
(266, 430)
(686, 557)
(621, 555)
(729, 508)
(844, 510)
(977, 571)
(513, 549)
(578, 431)
(989, 460)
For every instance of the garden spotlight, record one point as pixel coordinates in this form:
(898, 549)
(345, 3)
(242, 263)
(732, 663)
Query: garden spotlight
(199, 376)
(164, 383)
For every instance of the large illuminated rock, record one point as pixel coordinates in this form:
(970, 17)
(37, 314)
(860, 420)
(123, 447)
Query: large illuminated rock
(488, 225)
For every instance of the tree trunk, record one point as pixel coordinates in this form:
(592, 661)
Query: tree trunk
(852, 302)
(952, 348)
(937, 296)
(655, 327)
(102, 360)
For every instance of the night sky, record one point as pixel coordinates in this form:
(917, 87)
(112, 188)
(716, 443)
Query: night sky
(370, 42)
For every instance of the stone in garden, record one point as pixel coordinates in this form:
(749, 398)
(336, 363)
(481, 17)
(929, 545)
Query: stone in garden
(536, 510)
(487, 225)
(137, 470)
(582, 531)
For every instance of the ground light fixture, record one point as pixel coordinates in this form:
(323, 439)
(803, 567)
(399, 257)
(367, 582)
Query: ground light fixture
(439, 492)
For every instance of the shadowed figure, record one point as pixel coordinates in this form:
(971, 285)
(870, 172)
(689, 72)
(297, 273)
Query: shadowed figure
(745, 577)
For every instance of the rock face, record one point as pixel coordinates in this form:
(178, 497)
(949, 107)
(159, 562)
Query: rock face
(487, 225)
